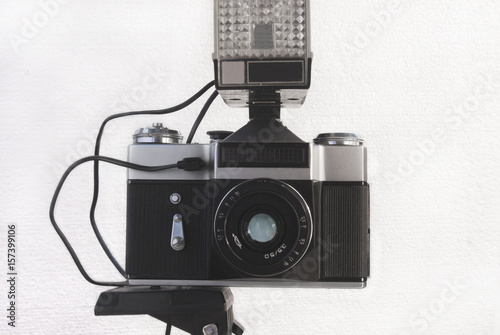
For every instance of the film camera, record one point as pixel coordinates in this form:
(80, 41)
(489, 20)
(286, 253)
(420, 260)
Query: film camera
(267, 209)
(255, 207)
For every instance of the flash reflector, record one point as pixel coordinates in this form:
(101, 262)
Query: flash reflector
(262, 45)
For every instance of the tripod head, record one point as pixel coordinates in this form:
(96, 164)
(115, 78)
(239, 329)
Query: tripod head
(198, 311)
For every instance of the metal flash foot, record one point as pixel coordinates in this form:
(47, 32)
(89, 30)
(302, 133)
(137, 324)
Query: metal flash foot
(198, 311)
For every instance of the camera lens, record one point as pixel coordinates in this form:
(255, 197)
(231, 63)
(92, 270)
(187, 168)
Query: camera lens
(261, 228)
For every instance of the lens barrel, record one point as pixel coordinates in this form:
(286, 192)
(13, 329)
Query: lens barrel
(263, 227)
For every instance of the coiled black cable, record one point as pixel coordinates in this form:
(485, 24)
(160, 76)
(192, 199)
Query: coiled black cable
(188, 164)
(96, 163)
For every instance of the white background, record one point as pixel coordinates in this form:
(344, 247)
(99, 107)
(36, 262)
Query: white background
(418, 80)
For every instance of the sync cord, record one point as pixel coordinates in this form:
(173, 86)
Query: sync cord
(188, 164)
(97, 152)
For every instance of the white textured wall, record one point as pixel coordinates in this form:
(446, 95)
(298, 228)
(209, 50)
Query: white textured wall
(422, 87)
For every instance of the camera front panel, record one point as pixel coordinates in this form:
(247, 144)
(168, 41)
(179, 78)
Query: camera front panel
(151, 208)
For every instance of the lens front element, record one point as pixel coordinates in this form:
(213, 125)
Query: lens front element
(261, 228)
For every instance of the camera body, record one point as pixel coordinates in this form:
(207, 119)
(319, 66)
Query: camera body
(267, 210)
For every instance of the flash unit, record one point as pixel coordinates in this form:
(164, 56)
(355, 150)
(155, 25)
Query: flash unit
(262, 52)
